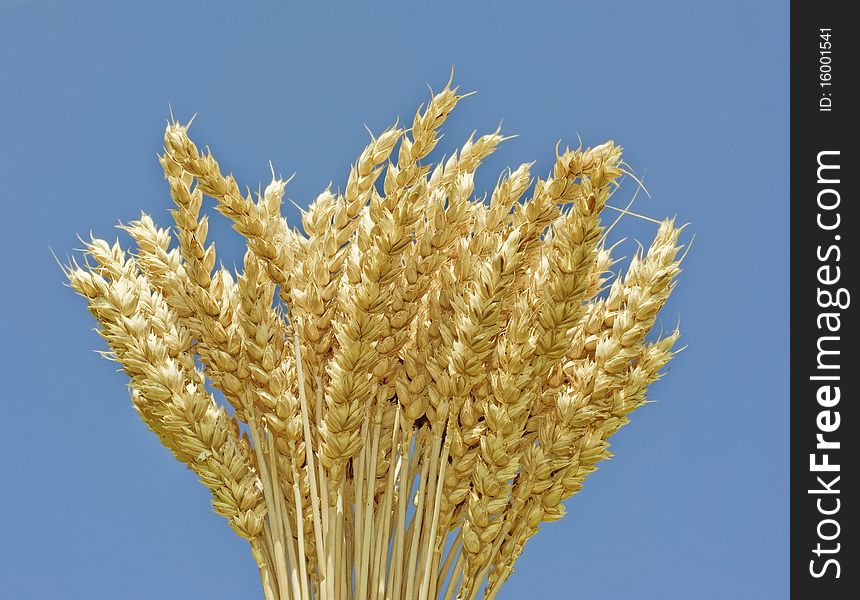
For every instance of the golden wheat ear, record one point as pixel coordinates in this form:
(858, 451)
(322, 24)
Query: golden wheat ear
(416, 381)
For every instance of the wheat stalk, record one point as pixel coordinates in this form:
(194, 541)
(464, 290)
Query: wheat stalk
(424, 376)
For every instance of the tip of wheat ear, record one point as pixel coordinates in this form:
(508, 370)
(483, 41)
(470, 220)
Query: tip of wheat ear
(418, 379)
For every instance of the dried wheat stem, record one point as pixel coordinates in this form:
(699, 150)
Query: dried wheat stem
(444, 572)
(309, 456)
(261, 556)
(429, 574)
(382, 541)
(368, 461)
(417, 521)
(400, 530)
(455, 582)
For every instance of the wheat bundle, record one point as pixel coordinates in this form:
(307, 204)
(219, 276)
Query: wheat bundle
(416, 381)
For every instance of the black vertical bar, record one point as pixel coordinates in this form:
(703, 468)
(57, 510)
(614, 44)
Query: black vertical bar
(825, 361)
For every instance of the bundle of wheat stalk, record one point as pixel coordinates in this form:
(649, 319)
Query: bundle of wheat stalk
(416, 381)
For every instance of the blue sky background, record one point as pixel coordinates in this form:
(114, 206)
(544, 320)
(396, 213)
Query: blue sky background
(694, 505)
